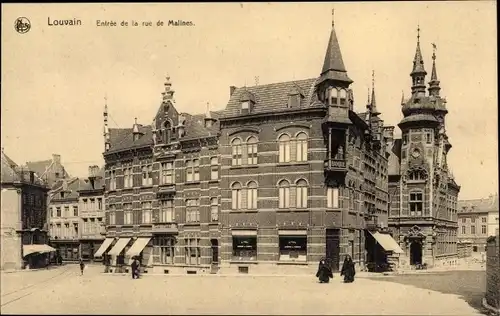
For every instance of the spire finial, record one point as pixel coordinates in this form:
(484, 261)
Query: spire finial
(368, 98)
(333, 17)
(135, 120)
(402, 97)
(434, 48)
(373, 79)
(418, 33)
(208, 107)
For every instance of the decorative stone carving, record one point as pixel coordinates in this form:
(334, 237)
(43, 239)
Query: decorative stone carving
(415, 234)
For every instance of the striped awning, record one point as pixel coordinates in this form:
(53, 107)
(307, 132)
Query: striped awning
(30, 249)
(118, 247)
(104, 246)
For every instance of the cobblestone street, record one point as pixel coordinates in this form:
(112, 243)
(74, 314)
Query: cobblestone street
(64, 291)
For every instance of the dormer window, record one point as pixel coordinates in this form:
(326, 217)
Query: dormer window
(167, 132)
(294, 101)
(247, 100)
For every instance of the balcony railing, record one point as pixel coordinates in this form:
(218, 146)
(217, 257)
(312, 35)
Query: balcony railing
(336, 165)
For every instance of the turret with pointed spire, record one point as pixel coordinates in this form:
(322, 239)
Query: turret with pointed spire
(136, 132)
(107, 143)
(418, 72)
(168, 94)
(434, 83)
(373, 104)
(333, 65)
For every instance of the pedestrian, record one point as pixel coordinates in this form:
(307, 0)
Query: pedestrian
(134, 268)
(348, 270)
(82, 266)
(324, 272)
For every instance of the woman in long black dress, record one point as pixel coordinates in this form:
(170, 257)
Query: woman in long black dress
(324, 272)
(348, 270)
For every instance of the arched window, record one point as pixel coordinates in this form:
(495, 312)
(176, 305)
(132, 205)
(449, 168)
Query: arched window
(416, 203)
(252, 195)
(302, 147)
(284, 194)
(236, 196)
(167, 132)
(236, 152)
(334, 94)
(302, 193)
(343, 96)
(252, 150)
(284, 148)
(417, 175)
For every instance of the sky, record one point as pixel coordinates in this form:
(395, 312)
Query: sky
(55, 78)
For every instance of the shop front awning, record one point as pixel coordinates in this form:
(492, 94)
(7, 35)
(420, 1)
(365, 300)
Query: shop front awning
(29, 249)
(387, 242)
(105, 245)
(137, 247)
(118, 247)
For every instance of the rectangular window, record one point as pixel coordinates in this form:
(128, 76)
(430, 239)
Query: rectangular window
(112, 180)
(167, 211)
(128, 218)
(189, 171)
(332, 197)
(236, 198)
(428, 138)
(196, 170)
(58, 211)
(127, 178)
(167, 173)
(214, 168)
(483, 219)
(66, 211)
(192, 211)
(146, 212)
(416, 204)
(166, 246)
(192, 251)
(112, 218)
(84, 204)
(245, 247)
(147, 175)
(193, 170)
(92, 204)
(75, 210)
(252, 198)
(99, 203)
(483, 229)
(463, 220)
(284, 197)
(293, 248)
(405, 139)
(473, 220)
(237, 152)
(214, 209)
(473, 230)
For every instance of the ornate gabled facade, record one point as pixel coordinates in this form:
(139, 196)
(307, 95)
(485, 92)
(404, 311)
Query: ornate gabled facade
(162, 191)
(423, 192)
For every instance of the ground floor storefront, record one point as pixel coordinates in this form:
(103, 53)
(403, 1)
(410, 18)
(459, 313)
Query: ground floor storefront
(66, 250)
(272, 250)
(88, 247)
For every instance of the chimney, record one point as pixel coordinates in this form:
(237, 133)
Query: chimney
(389, 133)
(93, 171)
(231, 90)
(56, 158)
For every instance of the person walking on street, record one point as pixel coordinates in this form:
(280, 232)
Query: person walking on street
(82, 266)
(324, 272)
(134, 267)
(348, 270)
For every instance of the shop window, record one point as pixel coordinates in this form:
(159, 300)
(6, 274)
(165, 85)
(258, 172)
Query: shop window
(166, 247)
(192, 251)
(245, 247)
(293, 248)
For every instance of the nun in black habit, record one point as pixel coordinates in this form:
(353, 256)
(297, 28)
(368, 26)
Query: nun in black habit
(348, 270)
(324, 271)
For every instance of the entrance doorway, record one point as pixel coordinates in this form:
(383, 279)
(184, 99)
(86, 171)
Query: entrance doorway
(333, 247)
(215, 250)
(415, 253)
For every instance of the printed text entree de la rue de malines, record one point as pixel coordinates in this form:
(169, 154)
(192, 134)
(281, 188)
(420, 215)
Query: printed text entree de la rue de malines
(123, 23)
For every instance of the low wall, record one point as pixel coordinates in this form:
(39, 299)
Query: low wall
(492, 296)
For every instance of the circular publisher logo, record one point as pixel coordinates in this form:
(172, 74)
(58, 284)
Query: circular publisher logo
(22, 25)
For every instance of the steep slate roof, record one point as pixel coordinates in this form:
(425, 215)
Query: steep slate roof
(489, 204)
(39, 167)
(333, 65)
(195, 125)
(394, 158)
(74, 185)
(122, 138)
(98, 184)
(8, 171)
(271, 97)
